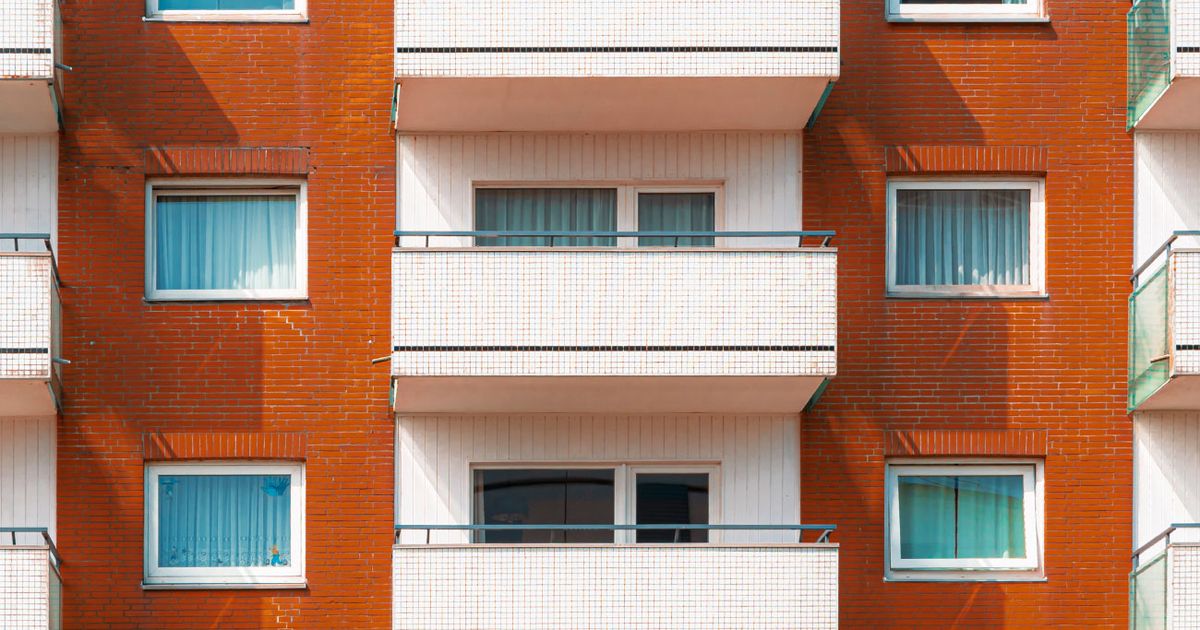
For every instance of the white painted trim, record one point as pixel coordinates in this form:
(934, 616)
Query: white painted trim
(229, 186)
(298, 14)
(1032, 11)
(1037, 238)
(968, 569)
(203, 577)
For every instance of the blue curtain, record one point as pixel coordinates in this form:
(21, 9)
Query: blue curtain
(962, 517)
(676, 212)
(225, 242)
(224, 520)
(962, 237)
(226, 5)
(546, 209)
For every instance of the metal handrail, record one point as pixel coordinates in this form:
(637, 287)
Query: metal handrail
(13, 531)
(1164, 536)
(826, 530)
(1165, 247)
(17, 237)
(824, 235)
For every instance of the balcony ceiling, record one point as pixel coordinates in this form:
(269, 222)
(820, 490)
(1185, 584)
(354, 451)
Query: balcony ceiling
(27, 106)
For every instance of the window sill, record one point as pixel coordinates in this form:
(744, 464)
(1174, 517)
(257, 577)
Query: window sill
(935, 295)
(965, 576)
(238, 586)
(280, 17)
(968, 18)
(300, 298)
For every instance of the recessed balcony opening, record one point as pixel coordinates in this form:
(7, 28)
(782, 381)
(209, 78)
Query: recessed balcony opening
(30, 66)
(30, 324)
(1164, 64)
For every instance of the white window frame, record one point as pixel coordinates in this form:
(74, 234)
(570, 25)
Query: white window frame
(228, 577)
(968, 568)
(624, 488)
(1032, 11)
(227, 186)
(1037, 239)
(298, 14)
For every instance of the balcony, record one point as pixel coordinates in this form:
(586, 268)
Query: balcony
(30, 320)
(30, 584)
(677, 586)
(1164, 64)
(570, 65)
(1164, 591)
(30, 60)
(614, 329)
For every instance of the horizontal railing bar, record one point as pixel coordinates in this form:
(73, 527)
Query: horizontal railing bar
(602, 527)
(617, 234)
(1165, 534)
(1158, 252)
(25, 236)
(45, 532)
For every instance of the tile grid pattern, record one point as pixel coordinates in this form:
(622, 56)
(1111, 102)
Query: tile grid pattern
(553, 587)
(1187, 37)
(24, 597)
(1185, 587)
(436, 38)
(26, 39)
(614, 303)
(25, 316)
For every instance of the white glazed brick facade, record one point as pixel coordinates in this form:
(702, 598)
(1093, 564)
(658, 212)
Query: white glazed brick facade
(1184, 583)
(28, 598)
(1186, 35)
(27, 34)
(548, 587)
(28, 314)
(618, 312)
(616, 38)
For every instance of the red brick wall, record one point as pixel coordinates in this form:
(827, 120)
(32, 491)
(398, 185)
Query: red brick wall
(196, 99)
(1054, 366)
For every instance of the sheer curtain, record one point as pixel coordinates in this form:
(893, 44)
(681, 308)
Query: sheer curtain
(676, 212)
(962, 237)
(224, 520)
(927, 517)
(546, 209)
(225, 242)
(966, 516)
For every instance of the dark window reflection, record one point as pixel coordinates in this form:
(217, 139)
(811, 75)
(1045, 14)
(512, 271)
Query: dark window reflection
(544, 496)
(672, 498)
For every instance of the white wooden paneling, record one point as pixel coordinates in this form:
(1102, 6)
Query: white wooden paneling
(27, 474)
(1166, 189)
(758, 458)
(759, 172)
(1166, 460)
(28, 185)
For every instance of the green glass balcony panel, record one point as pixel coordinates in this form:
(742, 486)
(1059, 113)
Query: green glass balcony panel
(1149, 50)
(1148, 337)
(1148, 595)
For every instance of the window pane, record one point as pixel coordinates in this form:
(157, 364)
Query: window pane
(991, 519)
(546, 210)
(962, 237)
(672, 498)
(545, 497)
(926, 517)
(224, 520)
(226, 242)
(226, 5)
(676, 212)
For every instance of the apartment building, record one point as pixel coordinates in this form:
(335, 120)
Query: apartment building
(433, 314)
(1164, 72)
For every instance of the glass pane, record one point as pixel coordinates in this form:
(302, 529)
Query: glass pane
(224, 520)
(991, 517)
(962, 237)
(676, 212)
(544, 497)
(964, 1)
(226, 5)
(926, 517)
(226, 242)
(546, 210)
(672, 498)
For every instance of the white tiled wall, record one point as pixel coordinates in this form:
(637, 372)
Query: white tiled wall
(643, 586)
(25, 589)
(469, 31)
(1184, 582)
(1186, 34)
(26, 29)
(25, 315)
(624, 312)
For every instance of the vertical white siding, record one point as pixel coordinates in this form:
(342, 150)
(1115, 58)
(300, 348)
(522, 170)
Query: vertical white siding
(1166, 460)
(1166, 189)
(27, 473)
(758, 457)
(759, 171)
(28, 184)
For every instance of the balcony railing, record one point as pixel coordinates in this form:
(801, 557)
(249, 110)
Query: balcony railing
(622, 328)
(30, 66)
(1163, 64)
(1164, 590)
(30, 584)
(681, 586)
(30, 327)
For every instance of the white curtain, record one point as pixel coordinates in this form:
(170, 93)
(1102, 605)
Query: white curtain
(965, 516)
(676, 212)
(546, 210)
(962, 237)
(225, 242)
(224, 520)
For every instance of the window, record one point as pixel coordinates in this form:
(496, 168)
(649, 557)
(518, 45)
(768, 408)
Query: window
(964, 517)
(623, 208)
(226, 10)
(953, 238)
(663, 495)
(226, 240)
(965, 10)
(224, 524)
